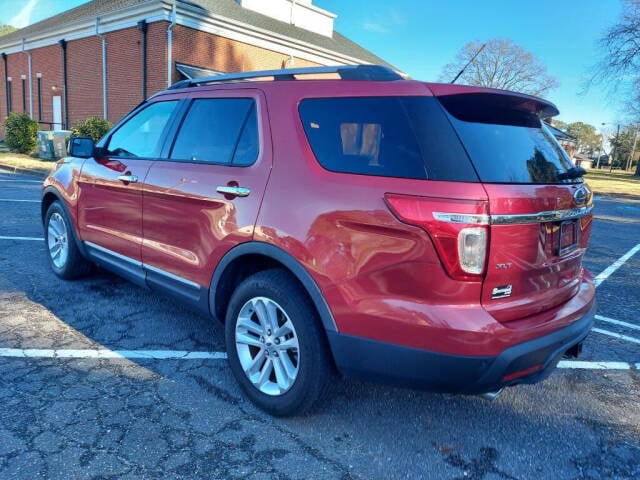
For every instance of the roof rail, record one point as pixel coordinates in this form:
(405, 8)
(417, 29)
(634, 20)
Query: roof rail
(374, 73)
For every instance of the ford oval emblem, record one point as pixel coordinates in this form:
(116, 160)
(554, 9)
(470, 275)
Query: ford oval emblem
(581, 195)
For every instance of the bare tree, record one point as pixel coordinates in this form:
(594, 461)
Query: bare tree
(500, 64)
(620, 64)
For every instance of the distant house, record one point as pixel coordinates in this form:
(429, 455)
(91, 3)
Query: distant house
(106, 56)
(568, 142)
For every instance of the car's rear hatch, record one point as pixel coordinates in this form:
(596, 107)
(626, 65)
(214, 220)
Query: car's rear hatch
(539, 212)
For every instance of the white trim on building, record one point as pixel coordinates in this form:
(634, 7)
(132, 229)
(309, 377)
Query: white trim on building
(189, 16)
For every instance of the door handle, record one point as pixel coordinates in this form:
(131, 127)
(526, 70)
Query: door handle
(128, 178)
(233, 191)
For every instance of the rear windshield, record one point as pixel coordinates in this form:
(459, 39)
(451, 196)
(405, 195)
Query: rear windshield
(506, 144)
(405, 137)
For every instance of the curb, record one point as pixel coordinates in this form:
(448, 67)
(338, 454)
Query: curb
(30, 171)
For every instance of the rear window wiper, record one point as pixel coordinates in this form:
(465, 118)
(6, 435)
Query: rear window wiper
(573, 172)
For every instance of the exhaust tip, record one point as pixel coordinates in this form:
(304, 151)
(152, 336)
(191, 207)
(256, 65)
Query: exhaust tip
(491, 396)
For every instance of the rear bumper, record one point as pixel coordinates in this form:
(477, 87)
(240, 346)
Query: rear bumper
(526, 362)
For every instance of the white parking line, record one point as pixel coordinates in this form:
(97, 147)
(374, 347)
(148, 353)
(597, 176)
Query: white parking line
(186, 355)
(34, 239)
(626, 338)
(105, 353)
(18, 201)
(617, 322)
(582, 365)
(601, 277)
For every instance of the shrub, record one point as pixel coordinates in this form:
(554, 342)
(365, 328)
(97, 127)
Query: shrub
(94, 127)
(21, 132)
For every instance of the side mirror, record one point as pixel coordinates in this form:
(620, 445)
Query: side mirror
(82, 147)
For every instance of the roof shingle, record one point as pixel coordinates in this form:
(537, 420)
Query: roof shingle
(224, 8)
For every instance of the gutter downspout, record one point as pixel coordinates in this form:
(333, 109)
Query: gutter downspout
(143, 27)
(6, 82)
(170, 45)
(63, 45)
(104, 69)
(28, 54)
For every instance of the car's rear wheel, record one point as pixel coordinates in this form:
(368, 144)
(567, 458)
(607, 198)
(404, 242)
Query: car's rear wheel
(64, 257)
(276, 347)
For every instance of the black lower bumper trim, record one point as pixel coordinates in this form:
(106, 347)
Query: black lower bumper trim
(378, 361)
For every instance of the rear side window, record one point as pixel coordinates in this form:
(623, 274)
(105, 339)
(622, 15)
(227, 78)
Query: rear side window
(219, 130)
(405, 137)
(507, 143)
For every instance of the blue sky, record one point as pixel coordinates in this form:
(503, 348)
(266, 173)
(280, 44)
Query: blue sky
(421, 36)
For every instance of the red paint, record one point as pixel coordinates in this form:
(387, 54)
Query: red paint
(385, 266)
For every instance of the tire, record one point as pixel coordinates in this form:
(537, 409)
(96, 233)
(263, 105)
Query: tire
(60, 240)
(286, 370)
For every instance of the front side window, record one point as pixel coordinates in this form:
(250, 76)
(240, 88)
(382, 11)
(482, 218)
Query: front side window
(141, 135)
(219, 130)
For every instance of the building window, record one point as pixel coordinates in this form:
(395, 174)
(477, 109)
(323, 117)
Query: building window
(39, 75)
(24, 93)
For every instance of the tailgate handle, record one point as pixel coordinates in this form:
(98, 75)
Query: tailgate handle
(233, 191)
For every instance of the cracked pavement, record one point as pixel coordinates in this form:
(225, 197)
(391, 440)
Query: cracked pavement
(86, 418)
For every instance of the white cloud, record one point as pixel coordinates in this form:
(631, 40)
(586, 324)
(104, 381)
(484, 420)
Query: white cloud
(384, 23)
(374, 27)
(23, 18)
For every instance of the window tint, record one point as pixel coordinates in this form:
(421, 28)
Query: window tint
(141, 135)
(407, 137)
(507, 143)
(219, 130)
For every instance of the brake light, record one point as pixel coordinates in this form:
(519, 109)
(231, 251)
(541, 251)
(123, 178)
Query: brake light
(458, 228)
(472, 249)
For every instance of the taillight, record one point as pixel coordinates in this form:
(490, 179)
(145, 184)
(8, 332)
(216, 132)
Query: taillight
(472, 249)
(458, 228)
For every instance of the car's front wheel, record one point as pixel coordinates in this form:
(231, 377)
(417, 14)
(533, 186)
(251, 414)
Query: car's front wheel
(64, 257)
(275, 344)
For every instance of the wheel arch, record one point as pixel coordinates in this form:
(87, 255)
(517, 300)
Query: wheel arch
(252, 257)
(49, 195)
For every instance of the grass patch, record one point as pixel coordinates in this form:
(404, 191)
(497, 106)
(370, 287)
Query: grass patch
(28, 162)
(617, 182)
(25, 161)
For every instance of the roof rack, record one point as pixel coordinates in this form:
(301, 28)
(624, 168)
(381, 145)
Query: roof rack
(374, 73)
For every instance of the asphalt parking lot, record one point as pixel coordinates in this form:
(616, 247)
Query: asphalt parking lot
(101, 379)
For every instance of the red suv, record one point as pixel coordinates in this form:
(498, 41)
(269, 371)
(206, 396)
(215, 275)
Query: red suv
(341, 219)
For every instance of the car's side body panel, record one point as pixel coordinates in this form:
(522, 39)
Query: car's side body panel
(188, 224)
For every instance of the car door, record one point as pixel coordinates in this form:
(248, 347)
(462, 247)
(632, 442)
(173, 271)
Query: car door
(204, 199)
(110, 194)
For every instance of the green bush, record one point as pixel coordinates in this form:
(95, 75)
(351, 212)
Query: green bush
(94, 127)
(21, 132)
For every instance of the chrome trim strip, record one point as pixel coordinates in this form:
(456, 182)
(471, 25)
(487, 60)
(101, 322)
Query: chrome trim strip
(542, 217)
(539, 217)
(113, 254)
(172, 276)
(144, 266)
(467, 218)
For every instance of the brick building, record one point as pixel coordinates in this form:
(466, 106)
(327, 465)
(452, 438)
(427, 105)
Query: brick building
(106, 56)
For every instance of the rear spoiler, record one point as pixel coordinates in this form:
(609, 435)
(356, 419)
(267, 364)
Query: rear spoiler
(491, 98)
